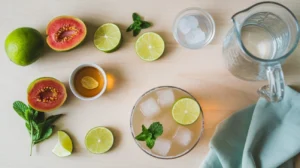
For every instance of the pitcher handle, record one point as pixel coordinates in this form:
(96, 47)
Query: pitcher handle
(273, 92)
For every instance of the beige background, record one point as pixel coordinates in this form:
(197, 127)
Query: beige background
(200, 72)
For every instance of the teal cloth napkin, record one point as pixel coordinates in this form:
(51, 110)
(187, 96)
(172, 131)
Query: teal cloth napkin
(264, 135)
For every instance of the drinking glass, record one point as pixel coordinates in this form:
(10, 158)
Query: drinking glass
(176, 140)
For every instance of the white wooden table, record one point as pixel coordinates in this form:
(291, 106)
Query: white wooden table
(200, 72)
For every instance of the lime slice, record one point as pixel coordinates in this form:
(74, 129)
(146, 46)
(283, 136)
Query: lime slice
(186, 111)
(99, 140)
(89, 82)
(107, 37)
(150, 46)
(64, 145)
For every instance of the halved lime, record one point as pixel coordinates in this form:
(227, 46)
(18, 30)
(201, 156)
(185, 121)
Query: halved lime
(64, 145)
(186, 111)
(99, 140)
(107, 37)
(149, 46)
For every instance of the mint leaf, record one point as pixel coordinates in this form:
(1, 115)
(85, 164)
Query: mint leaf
(46, 135)
(136, 32)
(156, 129)
(137, 25)
(29, 115)
(28, 127)
(37, 131)
(40, 117)
(135, 17)
(38, 128)
(150, 143)
(37, 116)
(143, 136)
(130, 28)
(51, 119)
(20, 108)
(145, 25)
(44, 129)
(34, 112)
(144, 129)
(149, 135)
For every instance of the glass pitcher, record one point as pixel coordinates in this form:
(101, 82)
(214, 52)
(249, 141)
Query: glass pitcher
(262, 37)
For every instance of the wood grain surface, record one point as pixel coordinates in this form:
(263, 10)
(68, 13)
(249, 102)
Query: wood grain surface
(201, 72)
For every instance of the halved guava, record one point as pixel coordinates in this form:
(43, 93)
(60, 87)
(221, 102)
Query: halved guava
(65, 33)
(46, 94)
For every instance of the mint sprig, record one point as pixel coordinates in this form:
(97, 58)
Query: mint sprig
(38, 127)
(151, 134)
(138, 24)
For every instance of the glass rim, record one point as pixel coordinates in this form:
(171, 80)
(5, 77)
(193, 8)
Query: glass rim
(244, 49)
(207, 16)
(158, 156)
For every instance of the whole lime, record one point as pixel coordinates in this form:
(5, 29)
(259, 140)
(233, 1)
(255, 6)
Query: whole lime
(24, 45)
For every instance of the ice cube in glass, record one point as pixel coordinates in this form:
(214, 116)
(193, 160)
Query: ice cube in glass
(169, 125)
(150, 108)
(183, 136)
(162, 146)
(195, 36)
(165, 97)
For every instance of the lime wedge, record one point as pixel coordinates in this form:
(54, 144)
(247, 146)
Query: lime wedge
(64, 145)
(89, 82)
(186, 111)
(99, 140)
(149, 46)
(107, 37)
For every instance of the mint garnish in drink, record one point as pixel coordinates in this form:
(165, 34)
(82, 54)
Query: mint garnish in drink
(151, 134)
(138, 24)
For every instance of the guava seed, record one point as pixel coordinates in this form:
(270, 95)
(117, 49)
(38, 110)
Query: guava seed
(66, 33)
(47, 94)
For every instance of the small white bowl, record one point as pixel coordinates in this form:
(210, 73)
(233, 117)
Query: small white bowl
(207, 24)
(71, 81)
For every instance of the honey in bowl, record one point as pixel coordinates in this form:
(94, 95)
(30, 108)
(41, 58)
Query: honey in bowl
(88, 81)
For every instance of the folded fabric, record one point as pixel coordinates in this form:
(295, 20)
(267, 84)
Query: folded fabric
(264, 135)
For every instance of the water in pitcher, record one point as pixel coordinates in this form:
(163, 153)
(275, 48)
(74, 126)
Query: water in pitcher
(259, 38)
